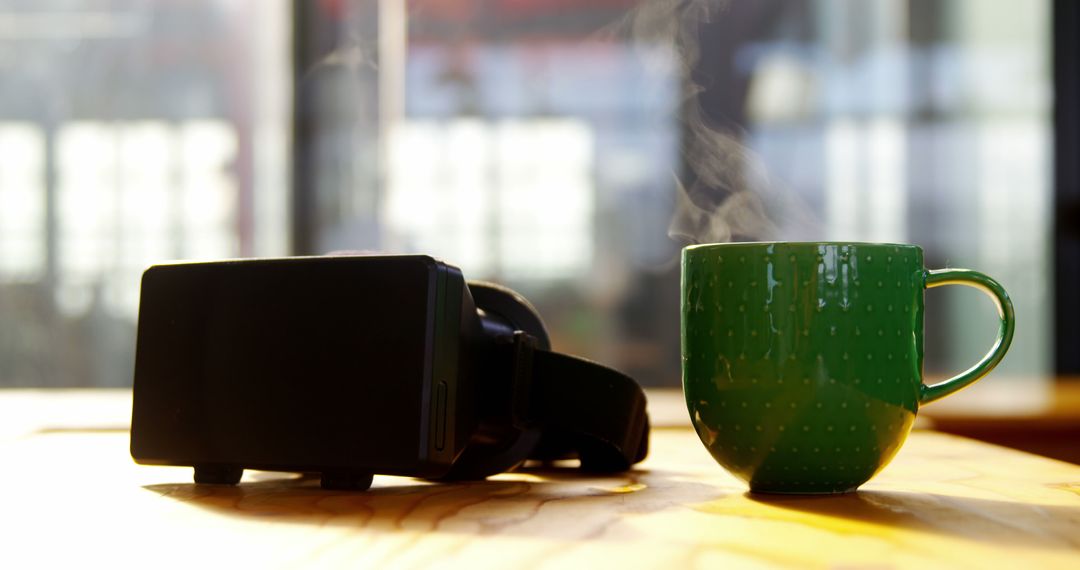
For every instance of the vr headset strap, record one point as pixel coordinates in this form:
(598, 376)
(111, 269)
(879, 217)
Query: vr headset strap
(583, 409)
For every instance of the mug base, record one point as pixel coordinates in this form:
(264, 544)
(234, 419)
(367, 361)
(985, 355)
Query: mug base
(802, 491)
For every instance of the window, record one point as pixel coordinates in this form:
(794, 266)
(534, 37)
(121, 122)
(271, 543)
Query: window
(132, 132)
(564, 148)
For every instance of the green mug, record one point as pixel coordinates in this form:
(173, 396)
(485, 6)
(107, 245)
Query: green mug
(802, 362)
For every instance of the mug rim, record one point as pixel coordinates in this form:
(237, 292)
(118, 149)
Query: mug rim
(701, 246)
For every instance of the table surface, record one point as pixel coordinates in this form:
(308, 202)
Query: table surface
(72, 496)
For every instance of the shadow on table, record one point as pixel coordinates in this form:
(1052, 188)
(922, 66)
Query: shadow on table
(519, 503)
(873, 512)
(567, 504)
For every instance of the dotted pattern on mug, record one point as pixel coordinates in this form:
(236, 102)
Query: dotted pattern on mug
(814, 359)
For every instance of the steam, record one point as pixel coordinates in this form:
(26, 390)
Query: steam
(726, 196)
(725, 193)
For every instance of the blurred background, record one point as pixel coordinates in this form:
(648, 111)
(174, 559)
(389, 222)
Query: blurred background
(566, 148)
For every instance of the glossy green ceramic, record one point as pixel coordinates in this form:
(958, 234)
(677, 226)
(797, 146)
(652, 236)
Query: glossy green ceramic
(802, 362)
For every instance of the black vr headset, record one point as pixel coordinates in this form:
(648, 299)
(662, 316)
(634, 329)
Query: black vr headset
(351, 366)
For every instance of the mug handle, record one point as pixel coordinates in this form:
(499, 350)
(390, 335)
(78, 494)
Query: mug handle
(1007, 322)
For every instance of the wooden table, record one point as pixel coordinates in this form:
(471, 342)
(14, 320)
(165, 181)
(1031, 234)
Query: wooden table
(71, 497)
